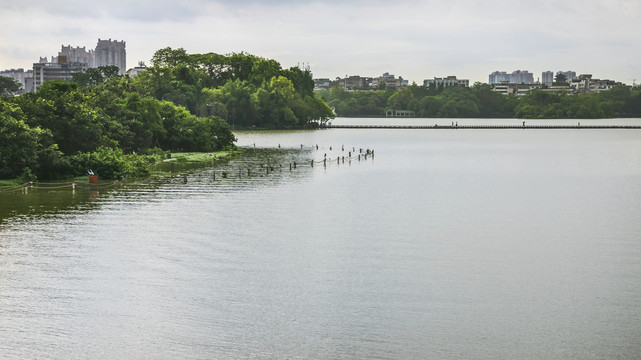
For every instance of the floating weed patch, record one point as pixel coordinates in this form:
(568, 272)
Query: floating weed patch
(199, 156)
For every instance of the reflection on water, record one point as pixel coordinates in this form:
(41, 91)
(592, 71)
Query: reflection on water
(34, 200)
(475, 244)
(250, 169)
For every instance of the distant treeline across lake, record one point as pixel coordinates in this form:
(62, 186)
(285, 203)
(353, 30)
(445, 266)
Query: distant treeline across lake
(480, 101)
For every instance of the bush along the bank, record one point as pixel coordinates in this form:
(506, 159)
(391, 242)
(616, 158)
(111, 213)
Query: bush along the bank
(112, 163)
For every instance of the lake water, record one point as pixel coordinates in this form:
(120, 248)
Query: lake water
(473, 244)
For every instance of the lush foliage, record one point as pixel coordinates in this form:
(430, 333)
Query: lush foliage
(184, 102)
(23, 149)
(111, 163)
(64, 130)
(94, 76)
(245, 90)
(8, 86)
(617, 102)
(480, 101)
(356, 103)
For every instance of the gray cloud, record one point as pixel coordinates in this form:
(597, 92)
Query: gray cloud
(415, 39)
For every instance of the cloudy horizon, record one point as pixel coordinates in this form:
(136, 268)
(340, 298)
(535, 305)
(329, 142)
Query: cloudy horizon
(414, 39)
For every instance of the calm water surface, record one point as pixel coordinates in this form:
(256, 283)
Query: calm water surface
(483, 244)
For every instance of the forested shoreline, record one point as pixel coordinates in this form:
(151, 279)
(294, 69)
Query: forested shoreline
(117, 126)
(479, 101)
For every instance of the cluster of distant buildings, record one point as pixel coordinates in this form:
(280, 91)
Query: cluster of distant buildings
(72, 60)
(517, 82)
(521, 81)
(356, 82)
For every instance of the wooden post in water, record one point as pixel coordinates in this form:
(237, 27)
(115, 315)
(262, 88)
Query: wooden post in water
(325, 162)
(312, 162)
(294, 164)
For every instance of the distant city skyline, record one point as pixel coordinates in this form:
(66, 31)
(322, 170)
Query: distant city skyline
(417, 40)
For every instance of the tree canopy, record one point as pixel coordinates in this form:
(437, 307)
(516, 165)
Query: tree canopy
(8, 86)
(480, 101)
(243, 89)
(184, 102)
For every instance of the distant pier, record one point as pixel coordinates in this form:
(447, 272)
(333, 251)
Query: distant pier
(445, 127)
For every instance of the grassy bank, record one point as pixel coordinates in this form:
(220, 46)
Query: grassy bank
(200, 157)
(9, 182)
(185, 161)
(156, 165)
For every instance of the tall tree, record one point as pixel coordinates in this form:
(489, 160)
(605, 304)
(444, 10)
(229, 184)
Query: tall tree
(8, 86)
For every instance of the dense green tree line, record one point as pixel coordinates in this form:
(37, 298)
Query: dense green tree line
(245, 90)
(63, 130)
(184, 102)
(479, 101)
(617, 102)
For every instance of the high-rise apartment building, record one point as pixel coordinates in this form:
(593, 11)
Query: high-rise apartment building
(522, 77)
(77, 54)
(79, 59)
(498, 77)
(547, 77)
(516, 77)
(110, 53)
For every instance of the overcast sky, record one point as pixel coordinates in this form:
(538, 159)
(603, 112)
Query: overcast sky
(413, 39)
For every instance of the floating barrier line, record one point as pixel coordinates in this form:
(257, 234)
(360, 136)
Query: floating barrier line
(244, 170)
(54, 187)
(14, 187)
(87, 185)
(56, 183)
(440, 127)
(340, 158)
